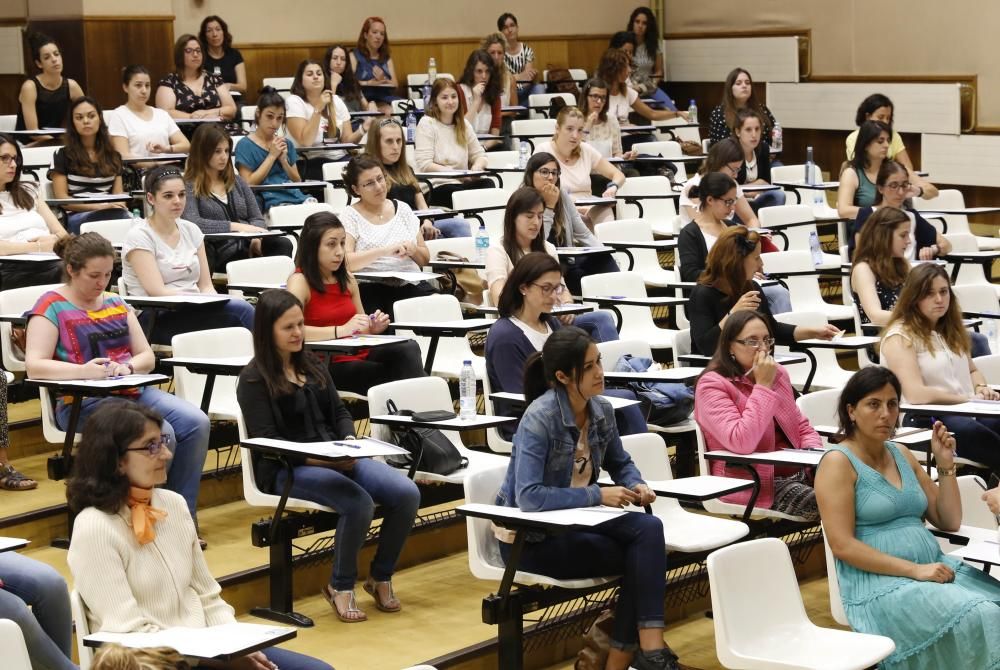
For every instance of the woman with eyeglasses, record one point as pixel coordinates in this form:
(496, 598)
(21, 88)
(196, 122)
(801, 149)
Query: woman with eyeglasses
(164, 254)
(332, 305)
(566, 436)
(286, 393)
(44, 98)
(926, 345)
(577, 161)
(744, 403)
(563, 226)
(737, 94)
(858, 176)
(524, 232)
(725, 157)
(382, 235)
(189, 92)
(81, 331)
(728, 286)
(386, 142)
(601, 129)
(134, 553)
(479, 87)
(27, 225)
(532, 290)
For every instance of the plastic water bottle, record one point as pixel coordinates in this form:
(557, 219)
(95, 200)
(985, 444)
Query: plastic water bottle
(136, 215)
(777, 137)
(990, 326)
(411, 126)
(814, 248)
(467, 391)
(692, 112)
(427, 94)
(524, 153)
(432, 70)
(809, 166)
(819, 202)
(482, 243)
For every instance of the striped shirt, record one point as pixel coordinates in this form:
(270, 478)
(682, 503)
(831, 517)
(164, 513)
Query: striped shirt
(516, 62)
(80, 185)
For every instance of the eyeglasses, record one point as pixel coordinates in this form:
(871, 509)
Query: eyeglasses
(7, 160)
(898, 186)
(729, 202)
(754, 343)
(549, 174)
(191, 51)
(582, 462)
(377, 181)
(153, 447)
(597, 96)
(549, 289)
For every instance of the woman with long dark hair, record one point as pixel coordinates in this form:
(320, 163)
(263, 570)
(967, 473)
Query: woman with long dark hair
(343, 83)
(479, 87)
(647, 60)
(858, 176)
(221, 57)
(737, 94)
(286, 393)
(44, 98)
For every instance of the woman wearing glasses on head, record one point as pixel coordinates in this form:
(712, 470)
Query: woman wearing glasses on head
(191, 93)
(134, 556)
(744, 403)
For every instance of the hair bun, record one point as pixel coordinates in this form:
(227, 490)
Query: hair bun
(267, 89)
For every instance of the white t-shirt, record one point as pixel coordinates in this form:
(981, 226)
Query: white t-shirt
(402, 227)
(297, 108)
(179, 266)
(939, 367)
(20, 225)
(139, 132)
(575, 178)
(484, 119)
(620, 106)
(536, 338)
(499, 265)
(686, 201)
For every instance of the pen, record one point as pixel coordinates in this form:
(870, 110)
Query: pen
(338, 443)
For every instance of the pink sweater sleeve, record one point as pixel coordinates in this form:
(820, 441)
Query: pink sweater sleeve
(719, 416)
(788, 414)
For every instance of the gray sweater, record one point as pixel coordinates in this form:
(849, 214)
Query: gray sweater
(580, 235)
(210, 215)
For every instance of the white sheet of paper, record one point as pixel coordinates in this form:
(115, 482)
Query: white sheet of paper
(122, 382)
(980, 550)
(210, 642)
(363, 448)
(577, 516)
(184, 298)
(409, 277)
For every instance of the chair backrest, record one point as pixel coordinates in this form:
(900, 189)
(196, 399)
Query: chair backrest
(214, 343)
(113, 230)
(13, 645)
(684, 134)
(434, 308)
(636, 321)
(990, 367)
(653, 209)
(631, 230)
(78, 609)
(833, 583)
(281, 84)
(682, 345)
(820, 407)
(288, 215)
(533, 127)
(974, 510)
(502, 159)
(494, 440)
(17, 301)
(968, 273)
(798, 236)
(649, 454)
(826, 359)
(539, 99)
(8, 122)
(418, 394)
(484, 552)
(947, 198)
(737, 592)
(402, 105)
(977, 298)
(262, 270)
(612, 350)
(484, 197)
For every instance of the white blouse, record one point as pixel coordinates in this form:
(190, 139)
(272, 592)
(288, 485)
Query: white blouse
(400, 228)
(939, 366)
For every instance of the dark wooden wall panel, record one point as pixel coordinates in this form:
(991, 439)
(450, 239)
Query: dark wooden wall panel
(114, 42)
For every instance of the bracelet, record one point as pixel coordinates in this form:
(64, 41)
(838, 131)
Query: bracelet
(978, 386)
(131, 368)
(334, 332)
(921, 194)
(946, 472)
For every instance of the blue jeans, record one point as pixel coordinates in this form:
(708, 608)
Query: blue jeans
(778, 298)
(169, 322)
(76, 219)
(767, 199)
(980, 344)
(977, 439)
(599, 325)
(453, 227)
(526, 88)
(48, 626)
(186, 424)
(290, 660)
(354, 494)
(632, 546)
(630, 420)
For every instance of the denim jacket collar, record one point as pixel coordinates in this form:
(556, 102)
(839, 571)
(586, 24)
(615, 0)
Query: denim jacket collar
(566, 409)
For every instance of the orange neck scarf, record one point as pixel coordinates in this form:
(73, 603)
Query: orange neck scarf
(144, 517)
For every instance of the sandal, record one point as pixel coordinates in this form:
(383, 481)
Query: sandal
(350, 615)
(12, 480)
(390, 604)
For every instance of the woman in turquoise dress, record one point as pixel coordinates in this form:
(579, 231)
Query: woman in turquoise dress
(894, 580)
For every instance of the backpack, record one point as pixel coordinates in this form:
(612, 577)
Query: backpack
(429, 449)
(670, 403)
(561, 81)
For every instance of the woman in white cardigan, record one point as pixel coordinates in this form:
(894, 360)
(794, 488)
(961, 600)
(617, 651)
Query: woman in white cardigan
(134, 554)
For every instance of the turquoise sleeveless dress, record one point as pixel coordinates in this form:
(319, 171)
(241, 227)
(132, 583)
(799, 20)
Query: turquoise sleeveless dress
(934, 626)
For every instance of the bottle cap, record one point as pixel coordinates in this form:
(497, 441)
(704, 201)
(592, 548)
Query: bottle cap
(466, 362)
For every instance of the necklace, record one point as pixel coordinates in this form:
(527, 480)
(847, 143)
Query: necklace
(371, 214)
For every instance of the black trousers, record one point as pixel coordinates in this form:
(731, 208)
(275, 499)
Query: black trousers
(387, 363)
(376, 295)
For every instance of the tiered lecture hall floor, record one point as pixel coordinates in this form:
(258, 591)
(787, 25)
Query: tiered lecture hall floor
(441, 599)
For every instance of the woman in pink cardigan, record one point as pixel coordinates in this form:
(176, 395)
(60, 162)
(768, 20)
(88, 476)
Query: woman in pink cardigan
(744, 403)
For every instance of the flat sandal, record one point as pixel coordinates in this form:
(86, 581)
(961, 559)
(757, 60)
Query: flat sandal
(352, 606)
(391, 604)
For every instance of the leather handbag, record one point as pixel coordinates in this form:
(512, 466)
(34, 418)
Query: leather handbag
(428, 450)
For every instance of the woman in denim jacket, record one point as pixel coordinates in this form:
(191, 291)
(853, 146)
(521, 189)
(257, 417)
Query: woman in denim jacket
(565, 437)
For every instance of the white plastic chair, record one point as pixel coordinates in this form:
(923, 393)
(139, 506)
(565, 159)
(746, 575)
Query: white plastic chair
(17, 301)
(15, 650)
(683, 530)
(968, 273)
(647, 262)
(484, 552)
(262, 270)
(820, 407)
(542, 128)
(401, 106)
(637, 322)
(335, 196)
(281, 84)
(660, 212)
(483, 197)
(977, 298)
(494, 440)
(807, 197)
(666, 149)
(451, 351)
(82, 625)
(423, 394)
(828, 374)
(803, 290)
(215, 343)
(952, 198)
(502, 159)
(113, 230)
(419, 79)
(8, 122)
(290, 215)
(798, 236)
(990, 367)
(683, 134)
(578, 75)
(538, 99)
(785, 638)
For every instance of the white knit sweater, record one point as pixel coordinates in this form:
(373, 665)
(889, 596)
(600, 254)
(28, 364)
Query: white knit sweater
(436, 143)
(129, 587)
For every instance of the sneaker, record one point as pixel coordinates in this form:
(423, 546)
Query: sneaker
(661, 659)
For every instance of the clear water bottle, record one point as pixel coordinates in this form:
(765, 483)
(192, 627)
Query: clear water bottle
(427, 94)
(692, 112)
(815, 249)
(467, 391)
(432, 70)
(990, 326)
(819, 202)
(411, 126)
(524, 153)
(482, 243)
(136, 215)
(809, 166)
(777, 137)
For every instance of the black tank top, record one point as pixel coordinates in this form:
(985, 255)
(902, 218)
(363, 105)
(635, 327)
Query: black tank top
(51, 107)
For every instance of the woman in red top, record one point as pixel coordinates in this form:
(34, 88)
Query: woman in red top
(333, 309)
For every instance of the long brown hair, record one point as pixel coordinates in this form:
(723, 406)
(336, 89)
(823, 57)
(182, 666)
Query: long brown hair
(875, 246)
(271, 305)
(383, 51)
(458, 120)
(21, 193)
(908, 314)
(197, 172)
(724, 266)
(400, 172)
(106, 161)
(613, 61)
(722, 154)
(729, 103)
(523, 200)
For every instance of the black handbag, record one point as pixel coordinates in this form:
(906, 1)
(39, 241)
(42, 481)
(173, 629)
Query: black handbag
(428, 448)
